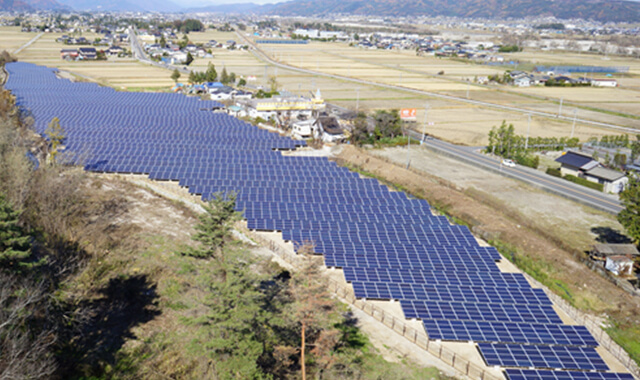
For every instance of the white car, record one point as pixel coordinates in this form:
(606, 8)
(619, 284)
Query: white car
(509, 163)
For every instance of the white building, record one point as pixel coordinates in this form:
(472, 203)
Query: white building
(604, 83)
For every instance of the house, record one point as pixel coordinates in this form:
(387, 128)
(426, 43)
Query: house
(616, 258)
(583, 166)
(574, 163)
(69, 54)
(114, 50)
(613, 181)
(236, 111)
(604, 83)
(329, 129)
(523, 81)
(221, 93)
(88, 53)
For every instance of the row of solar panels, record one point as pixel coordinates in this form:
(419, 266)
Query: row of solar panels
(432, 281)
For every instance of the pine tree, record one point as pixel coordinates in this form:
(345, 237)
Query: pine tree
(215, 226)
(211, 73)
(14, 243)
(630, 216)
(175, 75)
(224, 77)
(189, 59)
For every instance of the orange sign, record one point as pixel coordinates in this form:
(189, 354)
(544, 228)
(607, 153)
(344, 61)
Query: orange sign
(408, 114)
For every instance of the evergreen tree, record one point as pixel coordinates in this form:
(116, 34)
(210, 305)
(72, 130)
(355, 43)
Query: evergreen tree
(388, 123)
(215, 226)
(189, 59)
(224, 77)
(630, 216)
(175, 75)
(238, 325)
(14, 243)
(211, 73)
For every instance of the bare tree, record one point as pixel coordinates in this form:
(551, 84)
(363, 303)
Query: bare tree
(25, 348)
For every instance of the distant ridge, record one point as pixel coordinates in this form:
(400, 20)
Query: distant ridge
(29, 5)
(599, 10)
(232, 8)
(122, 5)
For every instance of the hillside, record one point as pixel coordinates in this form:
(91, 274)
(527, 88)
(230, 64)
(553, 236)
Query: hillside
(122, 5)
(617, 11)
(29, 5)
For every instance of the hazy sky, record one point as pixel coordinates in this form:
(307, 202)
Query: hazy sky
(202, 3)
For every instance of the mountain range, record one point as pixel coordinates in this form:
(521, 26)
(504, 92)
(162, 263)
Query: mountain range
(600, 10)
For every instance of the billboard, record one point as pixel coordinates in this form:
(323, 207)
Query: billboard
(408, 114)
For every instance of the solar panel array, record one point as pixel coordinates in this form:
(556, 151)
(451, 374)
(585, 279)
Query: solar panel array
(390, 246)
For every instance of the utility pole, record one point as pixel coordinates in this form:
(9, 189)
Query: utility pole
(573, 127)
(408, 146)
(526, 142)
(424, 131)
(560, 109)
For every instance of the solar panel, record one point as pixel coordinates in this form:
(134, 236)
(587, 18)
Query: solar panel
(478, 294)
(467, 311)
(388, 244)
(508, 332)
(545, 357)
(530, 374)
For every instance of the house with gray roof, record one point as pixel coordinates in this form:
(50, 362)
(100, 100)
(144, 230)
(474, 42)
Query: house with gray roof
(584, 166)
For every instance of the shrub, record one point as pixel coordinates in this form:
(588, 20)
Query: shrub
(584, 182)
(529, 160)
(554, 172)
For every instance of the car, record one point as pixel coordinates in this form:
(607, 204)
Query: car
(509, 163)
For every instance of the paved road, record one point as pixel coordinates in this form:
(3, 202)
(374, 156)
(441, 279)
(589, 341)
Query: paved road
(564, 188)
(264, 57)
(34, 39)
(581, 194)
(140, 55)
(584, 195)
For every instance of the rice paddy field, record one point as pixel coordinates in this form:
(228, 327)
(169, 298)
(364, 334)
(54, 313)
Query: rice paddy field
(451, 120)
(120, 73)
(11, 38)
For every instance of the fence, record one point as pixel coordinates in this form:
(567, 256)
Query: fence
(419, 338)
(583, 69)
(594, 328)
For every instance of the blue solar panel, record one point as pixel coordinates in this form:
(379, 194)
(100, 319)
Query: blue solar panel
(508, 332)
(543, 357)
(467, 311)
(478, 294)
(530, 374)
(377, 236)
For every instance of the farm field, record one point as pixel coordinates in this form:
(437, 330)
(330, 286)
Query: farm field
(453, 121)
(405, 69)
(120, 73)
(11, 38)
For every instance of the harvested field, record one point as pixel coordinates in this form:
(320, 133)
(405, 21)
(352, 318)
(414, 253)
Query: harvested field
(406, 69)
(12, 38)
